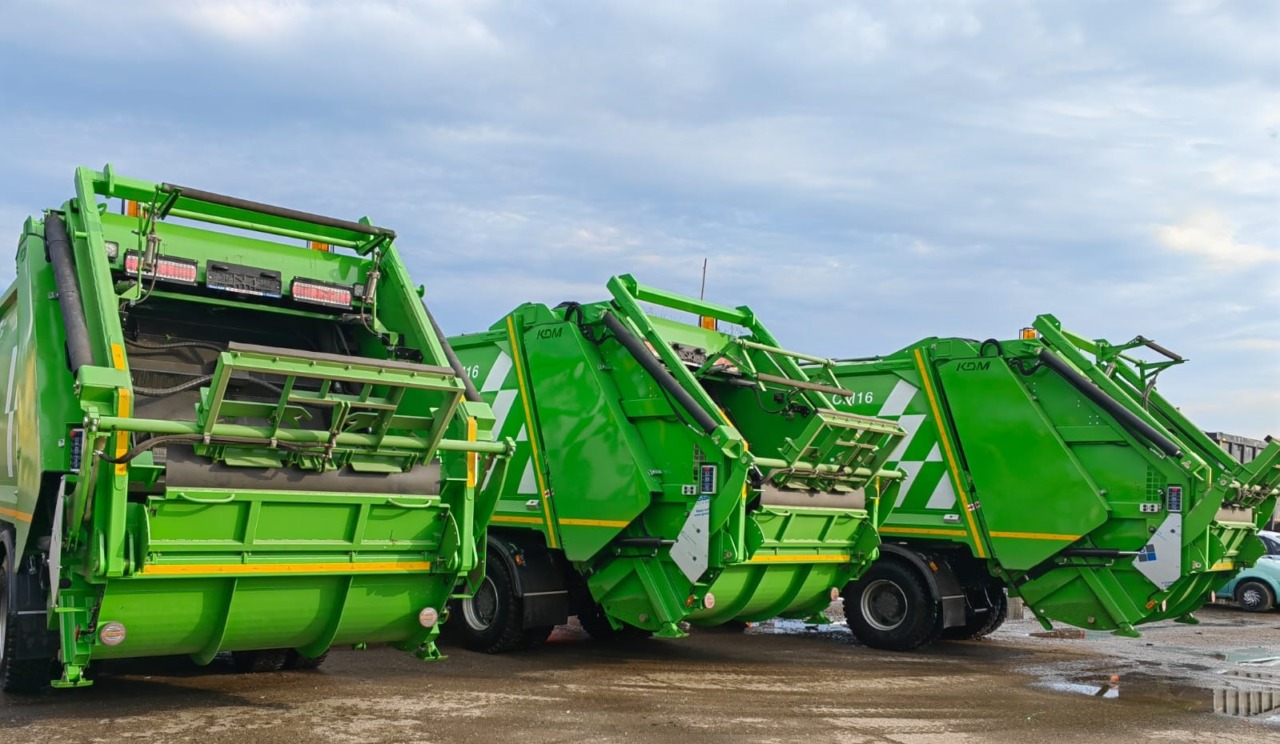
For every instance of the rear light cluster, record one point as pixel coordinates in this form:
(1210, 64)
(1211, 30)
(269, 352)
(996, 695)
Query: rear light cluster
(320, 293)
(178, 270)
(237, 279)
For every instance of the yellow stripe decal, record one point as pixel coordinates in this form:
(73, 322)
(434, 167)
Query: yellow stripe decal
(951, 459)
(471, 456)
(122, 447)
(1223, 566)
(14, 514)
(923, 531)
(249, 569)
(618, 524)
(533, 437)
(124, 409)
(1036, 536)
(515, 520)
(813, 558)
(117, 356)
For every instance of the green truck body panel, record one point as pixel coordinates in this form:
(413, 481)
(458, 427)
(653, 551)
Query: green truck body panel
(1078, 510)
(766, 505)
(297, 465)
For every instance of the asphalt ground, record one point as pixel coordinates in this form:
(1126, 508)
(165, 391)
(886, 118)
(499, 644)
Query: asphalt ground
(776, 682)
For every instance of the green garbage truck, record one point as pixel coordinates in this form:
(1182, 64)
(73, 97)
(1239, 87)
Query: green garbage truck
(229, 427)
(673, 464)
(1049, 466)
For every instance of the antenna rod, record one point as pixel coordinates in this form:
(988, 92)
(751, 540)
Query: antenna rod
(702, 294)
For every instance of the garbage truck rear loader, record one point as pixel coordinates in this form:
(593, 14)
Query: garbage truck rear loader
(1051, 466)
(665, 471)
(221, 440)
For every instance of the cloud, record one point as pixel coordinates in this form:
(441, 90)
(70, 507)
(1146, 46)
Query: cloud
(1253, 344)
(1217, 410)
(1207, 235)
(864, 174)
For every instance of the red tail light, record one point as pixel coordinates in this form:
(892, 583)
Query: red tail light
(178, 270)
(320, 293)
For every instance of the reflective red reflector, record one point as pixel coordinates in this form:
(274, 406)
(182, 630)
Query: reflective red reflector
(177, 270)
(332, 295)
(112, 634)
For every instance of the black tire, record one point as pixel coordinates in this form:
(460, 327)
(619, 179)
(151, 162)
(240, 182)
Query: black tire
(491, 622)
(295, 660)
(996, 618)
(598, 627)
(891, 608)
(1255, 596)
(17, 676)
(256, 662)
(981, 624)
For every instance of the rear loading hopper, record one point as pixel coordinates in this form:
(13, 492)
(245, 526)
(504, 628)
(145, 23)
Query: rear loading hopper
(249, 441)
(666, 471)
(1052, 466)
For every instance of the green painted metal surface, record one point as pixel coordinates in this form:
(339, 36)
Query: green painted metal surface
(238, 466)
(1082, 514)
(752, 498)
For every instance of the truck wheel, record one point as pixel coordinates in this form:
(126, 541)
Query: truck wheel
(491, 621)
(295, 660)
(1255, 596)
(597, 626)
(891, 608)
(984, 624)
(17, 676)
(996, 618)
(256, 662)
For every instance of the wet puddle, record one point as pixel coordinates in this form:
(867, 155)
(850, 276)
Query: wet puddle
(1232, 692)
(783, 626)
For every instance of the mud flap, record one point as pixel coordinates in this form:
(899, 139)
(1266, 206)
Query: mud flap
(539, 577)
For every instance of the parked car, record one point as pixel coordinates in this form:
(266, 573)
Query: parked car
(1256, 589)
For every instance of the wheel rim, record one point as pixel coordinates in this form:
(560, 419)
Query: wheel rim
(884, 605)
(1251, 598)
(481, 610)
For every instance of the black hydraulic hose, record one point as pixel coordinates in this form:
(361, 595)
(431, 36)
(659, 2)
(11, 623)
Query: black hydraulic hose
(1109, 404)
(209, 197)
(169, 345)
(1045, 567)
(650, 363)
(153, 442)
(150, 392)
(469, 387)
(79, 352)
(644, 542)
(1095, 553)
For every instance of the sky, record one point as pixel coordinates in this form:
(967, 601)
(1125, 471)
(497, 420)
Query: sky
(862, 174)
